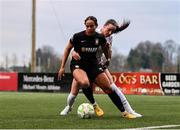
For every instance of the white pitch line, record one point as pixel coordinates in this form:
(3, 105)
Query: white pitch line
(153, 127)
(165, 126)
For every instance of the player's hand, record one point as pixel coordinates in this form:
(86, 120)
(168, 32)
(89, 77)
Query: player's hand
(75, 55)
(61, 73)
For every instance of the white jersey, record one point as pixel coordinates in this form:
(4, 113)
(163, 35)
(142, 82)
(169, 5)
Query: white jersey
(100, 55)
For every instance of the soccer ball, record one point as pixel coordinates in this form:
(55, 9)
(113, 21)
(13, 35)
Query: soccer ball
(85, 111)
(144, 91)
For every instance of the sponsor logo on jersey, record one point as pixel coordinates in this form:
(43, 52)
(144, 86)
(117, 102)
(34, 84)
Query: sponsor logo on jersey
(89, 49)
(83, 41)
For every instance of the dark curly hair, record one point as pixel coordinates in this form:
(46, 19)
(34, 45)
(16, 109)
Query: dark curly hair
(91, 18)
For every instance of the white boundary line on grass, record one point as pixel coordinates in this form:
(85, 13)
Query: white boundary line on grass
(153, 127)
(141, 128)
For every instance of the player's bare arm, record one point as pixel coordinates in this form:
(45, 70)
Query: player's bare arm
(107, 53)
(109, 46)
(64, 59)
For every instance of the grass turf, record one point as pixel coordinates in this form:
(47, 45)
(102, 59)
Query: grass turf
(41, 111)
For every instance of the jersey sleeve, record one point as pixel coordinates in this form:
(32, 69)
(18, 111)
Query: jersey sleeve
(73, 39)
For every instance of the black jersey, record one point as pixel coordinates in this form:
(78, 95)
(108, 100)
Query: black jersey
(87, 46)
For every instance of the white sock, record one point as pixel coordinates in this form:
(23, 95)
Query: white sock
(94, 104)
(70, 100)
(122, 97)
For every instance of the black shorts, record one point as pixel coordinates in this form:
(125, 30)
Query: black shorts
(92, 70)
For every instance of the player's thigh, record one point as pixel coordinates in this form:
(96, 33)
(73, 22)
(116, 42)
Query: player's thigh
(103, 82)
(81, 77)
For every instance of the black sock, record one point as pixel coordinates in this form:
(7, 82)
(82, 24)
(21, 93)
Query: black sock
(88, 92)
(116, 100)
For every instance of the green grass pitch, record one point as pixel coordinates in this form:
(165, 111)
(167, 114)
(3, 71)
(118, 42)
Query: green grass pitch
(41, 111)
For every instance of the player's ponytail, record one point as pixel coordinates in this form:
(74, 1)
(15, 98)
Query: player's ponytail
(118, 28)
(124, 25)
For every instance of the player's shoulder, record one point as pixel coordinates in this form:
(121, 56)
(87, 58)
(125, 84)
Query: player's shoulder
(77, 36)
(79, 33)
(100, 35)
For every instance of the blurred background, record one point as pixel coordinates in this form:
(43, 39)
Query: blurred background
(151, 43)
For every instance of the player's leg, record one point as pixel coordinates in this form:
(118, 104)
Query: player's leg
(88, 92)
(103, 82)
(125, 102)
(71, 98)
(83, 81)
(80, 80)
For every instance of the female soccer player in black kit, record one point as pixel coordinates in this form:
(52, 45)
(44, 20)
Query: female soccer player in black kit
(110, 27)
(87, 69)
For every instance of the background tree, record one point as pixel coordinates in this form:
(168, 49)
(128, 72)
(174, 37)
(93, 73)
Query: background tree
(117, 62)
(14, 60)
(156, 57)
(133, 60)
(170, 54)
(47, 60)
(178, 59)
(6, 62)
(146, 55)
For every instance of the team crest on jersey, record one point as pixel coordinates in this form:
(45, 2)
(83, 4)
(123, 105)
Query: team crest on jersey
(96, 41)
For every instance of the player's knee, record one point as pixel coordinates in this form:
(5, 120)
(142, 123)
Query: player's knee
(84, 83)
